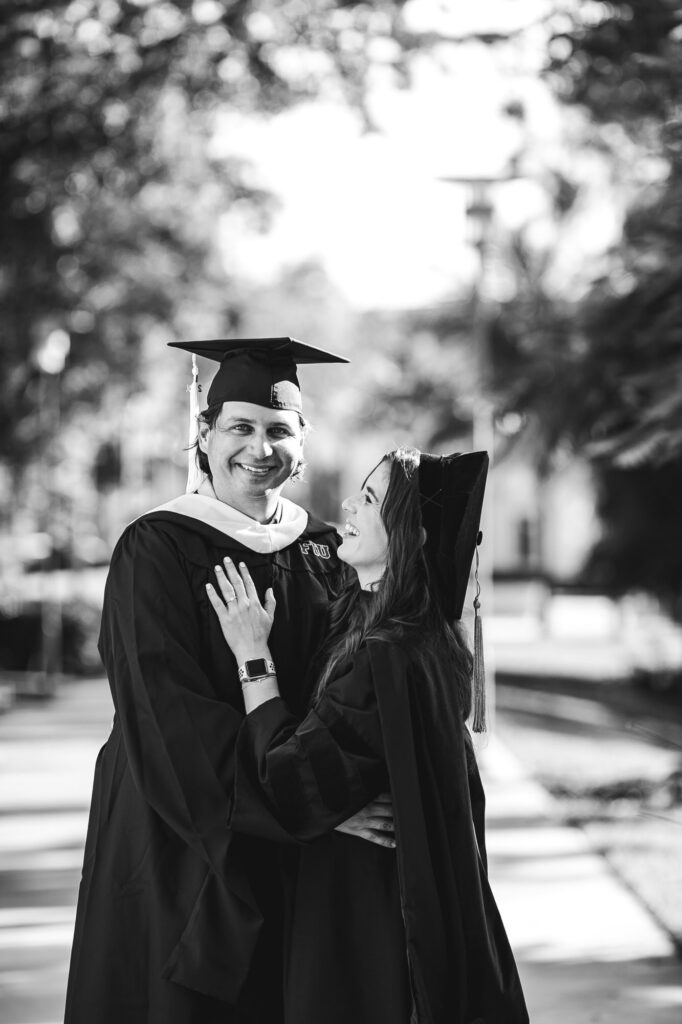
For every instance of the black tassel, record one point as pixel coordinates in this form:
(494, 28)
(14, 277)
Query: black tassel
(479, 722)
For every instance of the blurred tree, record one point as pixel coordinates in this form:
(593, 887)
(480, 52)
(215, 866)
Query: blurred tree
(622, 62)
(109, 194)
(604, 376)
(626, 69)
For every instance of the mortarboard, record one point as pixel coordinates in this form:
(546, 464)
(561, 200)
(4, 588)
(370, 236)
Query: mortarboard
(257, 370)
(451, 489)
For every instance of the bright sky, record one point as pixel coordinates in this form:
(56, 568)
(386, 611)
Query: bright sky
(370, 206)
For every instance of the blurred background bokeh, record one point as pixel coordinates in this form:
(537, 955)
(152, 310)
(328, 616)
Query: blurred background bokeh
(481, 207)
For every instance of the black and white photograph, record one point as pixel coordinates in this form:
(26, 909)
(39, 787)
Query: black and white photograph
(340, 512)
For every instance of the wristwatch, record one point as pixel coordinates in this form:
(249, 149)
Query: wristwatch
(257, 668)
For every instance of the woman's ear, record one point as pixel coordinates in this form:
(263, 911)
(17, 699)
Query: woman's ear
(203, 434)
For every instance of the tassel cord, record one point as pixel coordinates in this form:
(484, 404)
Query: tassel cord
(194, 474)
(479, 720)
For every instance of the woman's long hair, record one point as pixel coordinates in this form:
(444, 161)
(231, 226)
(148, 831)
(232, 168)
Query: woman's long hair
(404, 607)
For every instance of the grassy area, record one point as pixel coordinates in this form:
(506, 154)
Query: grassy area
(613, 761)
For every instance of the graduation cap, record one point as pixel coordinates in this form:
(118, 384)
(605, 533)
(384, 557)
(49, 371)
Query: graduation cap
(257, 370)
(451, 489)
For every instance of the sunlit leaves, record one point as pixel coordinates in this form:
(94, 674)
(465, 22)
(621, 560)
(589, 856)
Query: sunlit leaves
(111, 190)
(624, 65)
(623, 61)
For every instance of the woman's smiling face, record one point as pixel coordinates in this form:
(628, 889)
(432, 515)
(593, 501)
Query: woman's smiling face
(365, 541)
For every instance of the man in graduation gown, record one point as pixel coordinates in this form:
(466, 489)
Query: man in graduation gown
(178, 916)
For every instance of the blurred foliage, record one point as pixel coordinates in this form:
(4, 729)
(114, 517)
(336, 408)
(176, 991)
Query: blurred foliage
(625, 67)
(418, 375)
(640, 549)
(112, 190)
(622, 62)
(601, 374)
(537, 358)
(109, 194)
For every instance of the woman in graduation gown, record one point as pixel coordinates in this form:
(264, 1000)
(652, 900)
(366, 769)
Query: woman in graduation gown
(377, 935)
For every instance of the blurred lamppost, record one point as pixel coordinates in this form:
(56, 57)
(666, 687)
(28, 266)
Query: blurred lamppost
(51, 359)
(479, 211)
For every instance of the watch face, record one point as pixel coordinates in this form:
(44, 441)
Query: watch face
(257, 667)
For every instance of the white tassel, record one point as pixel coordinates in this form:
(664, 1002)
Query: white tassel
(195, 477)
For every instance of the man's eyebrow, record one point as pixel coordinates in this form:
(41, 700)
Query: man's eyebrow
(245, 419)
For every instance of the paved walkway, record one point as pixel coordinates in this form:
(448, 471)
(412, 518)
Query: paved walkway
(586, 948)
(587, 951)
(47, 757)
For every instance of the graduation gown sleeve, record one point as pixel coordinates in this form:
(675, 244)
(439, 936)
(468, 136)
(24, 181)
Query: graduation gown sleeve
(308, 776)
(178, 733)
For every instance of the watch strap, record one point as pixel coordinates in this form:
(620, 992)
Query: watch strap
(256, 668)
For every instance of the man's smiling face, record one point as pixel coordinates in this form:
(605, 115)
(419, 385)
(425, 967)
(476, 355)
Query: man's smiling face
(252, 452)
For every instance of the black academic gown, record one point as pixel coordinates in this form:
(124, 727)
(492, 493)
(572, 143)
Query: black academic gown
(376, 936)
(179, 919)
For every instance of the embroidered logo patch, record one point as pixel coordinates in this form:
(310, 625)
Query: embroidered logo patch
(285, 395)
(321, 550)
